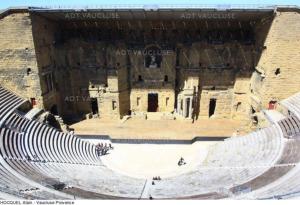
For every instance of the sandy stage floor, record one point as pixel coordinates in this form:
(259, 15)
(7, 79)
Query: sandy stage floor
(158, 129)
(149, 160)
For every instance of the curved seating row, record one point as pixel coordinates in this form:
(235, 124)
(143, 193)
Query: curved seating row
(12, 185)
(284, 166)
(285, 179)
(97, 179)
(261, 165)
(293, 104)
(40, 153)
(290, 126)
(229, 164)
(8, 103)
(40, 142)
(44, 155)
(36, 158)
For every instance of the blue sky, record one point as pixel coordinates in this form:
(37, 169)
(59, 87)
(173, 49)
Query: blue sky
(8, 3)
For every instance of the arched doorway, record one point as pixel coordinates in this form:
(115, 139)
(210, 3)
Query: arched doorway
(54, 110)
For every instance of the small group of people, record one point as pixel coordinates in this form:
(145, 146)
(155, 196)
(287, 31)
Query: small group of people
(103, 148)
(181, 162)
(155, 178)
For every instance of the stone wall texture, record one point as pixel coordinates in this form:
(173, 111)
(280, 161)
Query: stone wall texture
(36, 52)
(282, 53)
(18, 61)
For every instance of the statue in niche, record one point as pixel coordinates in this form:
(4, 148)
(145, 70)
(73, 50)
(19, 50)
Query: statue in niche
(153, 63)
(152, 57)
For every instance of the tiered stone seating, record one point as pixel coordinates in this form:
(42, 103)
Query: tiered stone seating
(290, 126)
(293, 104)
(282, 179)
(57, 146)
(22, 141)
(11, 184)
(229, 163)
(44, 156)
(8, 103)
(40, 162)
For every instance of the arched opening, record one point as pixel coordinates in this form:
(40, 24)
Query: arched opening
(54, 110)
(51, 120)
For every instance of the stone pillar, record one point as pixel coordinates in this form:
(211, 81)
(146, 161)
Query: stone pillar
(191, 109)
(184, 107)
(178, 106)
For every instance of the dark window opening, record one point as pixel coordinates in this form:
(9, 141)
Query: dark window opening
(114, 105)
(140, 79)
(255, 120)
(277, 72)
(94, 105)
(252, 110)
(152, 102)
(212, 107)
(166, 78)
(138, 101)
(28, 71)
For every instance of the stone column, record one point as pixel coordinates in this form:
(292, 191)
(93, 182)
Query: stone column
(191, 109)
(178, 106)
(184, 107)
